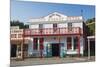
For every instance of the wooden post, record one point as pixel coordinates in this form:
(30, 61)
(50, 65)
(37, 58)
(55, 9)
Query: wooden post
(41, 47)
(59, 41)
(79, 46)
(22, 47)
(72, 42)
(59, 35)
(38, 44)
(22, 50)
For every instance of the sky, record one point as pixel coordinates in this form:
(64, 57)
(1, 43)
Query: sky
(24, 10)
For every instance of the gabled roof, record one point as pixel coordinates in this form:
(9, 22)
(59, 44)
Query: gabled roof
(55, 15)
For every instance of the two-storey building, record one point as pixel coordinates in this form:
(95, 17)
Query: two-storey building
(19, 44)
(54, 35)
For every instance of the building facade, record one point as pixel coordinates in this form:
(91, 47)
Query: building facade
(55, 35)
(19, 44)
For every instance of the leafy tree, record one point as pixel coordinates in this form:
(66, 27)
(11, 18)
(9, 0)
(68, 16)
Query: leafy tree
(90, 20)
(90, 23)
(18, 23)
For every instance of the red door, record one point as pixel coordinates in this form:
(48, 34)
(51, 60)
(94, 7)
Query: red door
(35, 43)
(41, 46)
(41, 43)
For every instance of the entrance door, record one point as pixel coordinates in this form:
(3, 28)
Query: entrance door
(55, 49)
(13, 50)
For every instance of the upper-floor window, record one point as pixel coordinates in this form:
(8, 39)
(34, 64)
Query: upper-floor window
(40, 28)
(13, 35)
(55, 26)
(19, 35)
(69, 26)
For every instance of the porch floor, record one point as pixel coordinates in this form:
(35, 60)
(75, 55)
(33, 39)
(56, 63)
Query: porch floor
(54, 60)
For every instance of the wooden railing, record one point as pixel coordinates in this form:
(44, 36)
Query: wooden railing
(52, 31)
(18, 34)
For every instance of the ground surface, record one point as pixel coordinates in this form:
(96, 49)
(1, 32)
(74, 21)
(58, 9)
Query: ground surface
(54, 60)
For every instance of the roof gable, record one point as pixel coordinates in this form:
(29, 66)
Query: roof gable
(55, 15)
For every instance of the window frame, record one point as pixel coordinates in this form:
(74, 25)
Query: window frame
(70, 25)
(55, 26)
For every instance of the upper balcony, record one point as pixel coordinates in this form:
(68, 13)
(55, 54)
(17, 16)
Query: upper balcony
(52, 31)
(16, 34)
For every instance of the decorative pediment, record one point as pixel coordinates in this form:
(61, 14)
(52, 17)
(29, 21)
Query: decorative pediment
(55, 17)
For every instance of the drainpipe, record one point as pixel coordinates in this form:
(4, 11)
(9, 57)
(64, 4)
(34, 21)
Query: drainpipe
(78, 46)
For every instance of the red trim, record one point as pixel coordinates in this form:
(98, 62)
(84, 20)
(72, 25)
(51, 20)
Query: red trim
(41, 46)
(35, 42)
(53, 35)
(41, 43)
(50, 31)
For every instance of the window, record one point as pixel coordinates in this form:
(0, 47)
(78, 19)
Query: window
(75, 43)
(54, 27)
(35, 43)
(19, 35)
(25, 47)
(40, 28)
(13, 35)
(69, 43)
(69, 26)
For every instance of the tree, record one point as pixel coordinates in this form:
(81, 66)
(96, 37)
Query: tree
(90, 20)
(18, 23)
(90, 23)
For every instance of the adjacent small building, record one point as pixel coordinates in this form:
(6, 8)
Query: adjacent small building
(54, 35)
(18, 45)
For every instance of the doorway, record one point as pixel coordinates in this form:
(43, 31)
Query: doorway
(55, 49)
(13, 50)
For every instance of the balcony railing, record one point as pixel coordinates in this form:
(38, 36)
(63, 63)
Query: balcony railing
(52, 31)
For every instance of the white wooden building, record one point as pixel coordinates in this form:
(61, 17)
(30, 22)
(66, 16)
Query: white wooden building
(55, 35)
